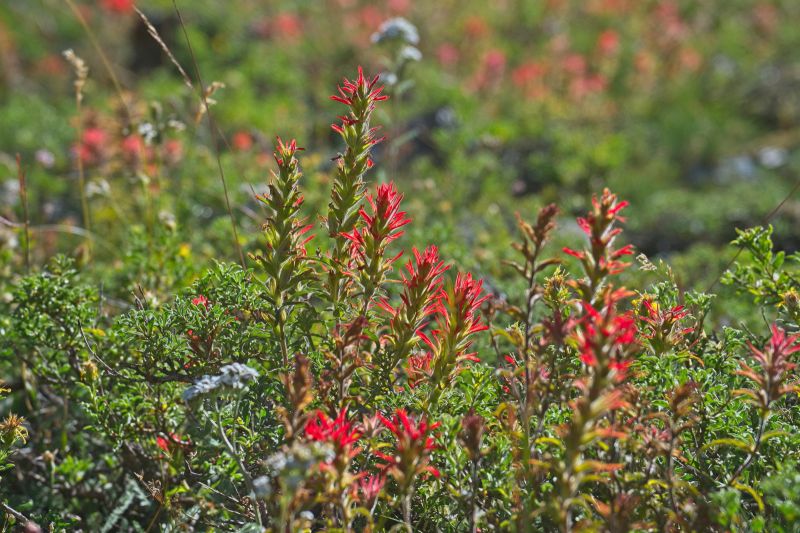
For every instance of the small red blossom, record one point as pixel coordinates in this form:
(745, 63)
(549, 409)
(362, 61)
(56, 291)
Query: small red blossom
(605, 337)
(661, 326)
(600, 260)
(93, 145)
(422, 281)
(339, 431)
(369, 487)
(199, 301)
(418, 368)
(168, 443)
(774, 368)
(448, 55)
(413, 445)
(381, 227)
(242, 141)
(360, 91)
(288, 25)
(118, 6)
(608, 43)
(132, 147)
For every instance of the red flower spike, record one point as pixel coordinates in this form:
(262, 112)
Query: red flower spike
(351, 92)
(457, 319)
(411, 450)
(199, 301)
(600, 260)
(605, 337)
(339, 431)
(775, 366)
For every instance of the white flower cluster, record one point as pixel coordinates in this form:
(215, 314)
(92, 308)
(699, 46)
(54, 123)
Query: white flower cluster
(396, 28)
(235, 376)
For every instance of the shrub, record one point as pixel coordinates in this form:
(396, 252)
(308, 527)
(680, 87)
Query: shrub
(355, 386)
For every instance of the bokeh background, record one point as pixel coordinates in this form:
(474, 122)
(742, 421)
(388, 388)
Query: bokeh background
(688, 109)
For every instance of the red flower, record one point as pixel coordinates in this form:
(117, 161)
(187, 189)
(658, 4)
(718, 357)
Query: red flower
(457, 319)
(414, 442)
(118, 6)
(418, 368)
(360, 91)
(600, 259)
(382, 226)
(422, 281)
(662, 326)
(92, 145)
(369, 487)
(606, 337)
(242, 141)
(339, 431)
(168, 443)
(447, 54)
(200, 301)
(774, 365)
(132, 147)
(608, 42)
(288, 25)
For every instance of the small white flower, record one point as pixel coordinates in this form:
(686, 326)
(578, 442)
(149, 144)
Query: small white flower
(410, 53)
(396, 28)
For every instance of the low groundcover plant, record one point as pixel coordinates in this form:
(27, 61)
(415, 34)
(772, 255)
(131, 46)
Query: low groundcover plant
(343, 383)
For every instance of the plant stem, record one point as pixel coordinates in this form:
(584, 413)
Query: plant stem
(231, 449)
(23, 193)
(756, 446)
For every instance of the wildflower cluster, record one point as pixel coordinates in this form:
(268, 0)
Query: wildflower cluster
(342, 385)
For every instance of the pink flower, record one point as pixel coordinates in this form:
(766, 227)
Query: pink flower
(448, 55)
(608, 43)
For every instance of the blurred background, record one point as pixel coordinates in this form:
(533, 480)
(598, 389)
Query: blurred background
(688, 109)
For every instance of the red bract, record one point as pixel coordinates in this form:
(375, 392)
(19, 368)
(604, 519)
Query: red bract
(369, 487)
(774, 365)
(457, 319)
(118, 6)
(601, 259)
(414, 442)
(387, 218)
(418, 368)
(661, 327)
(339, 431)
(359, 93)
(605, 337)
(608, 42)
(381, 227)
(422, 281)
(168, 443)
(200, 300)
(242, 141)
(93, 145)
